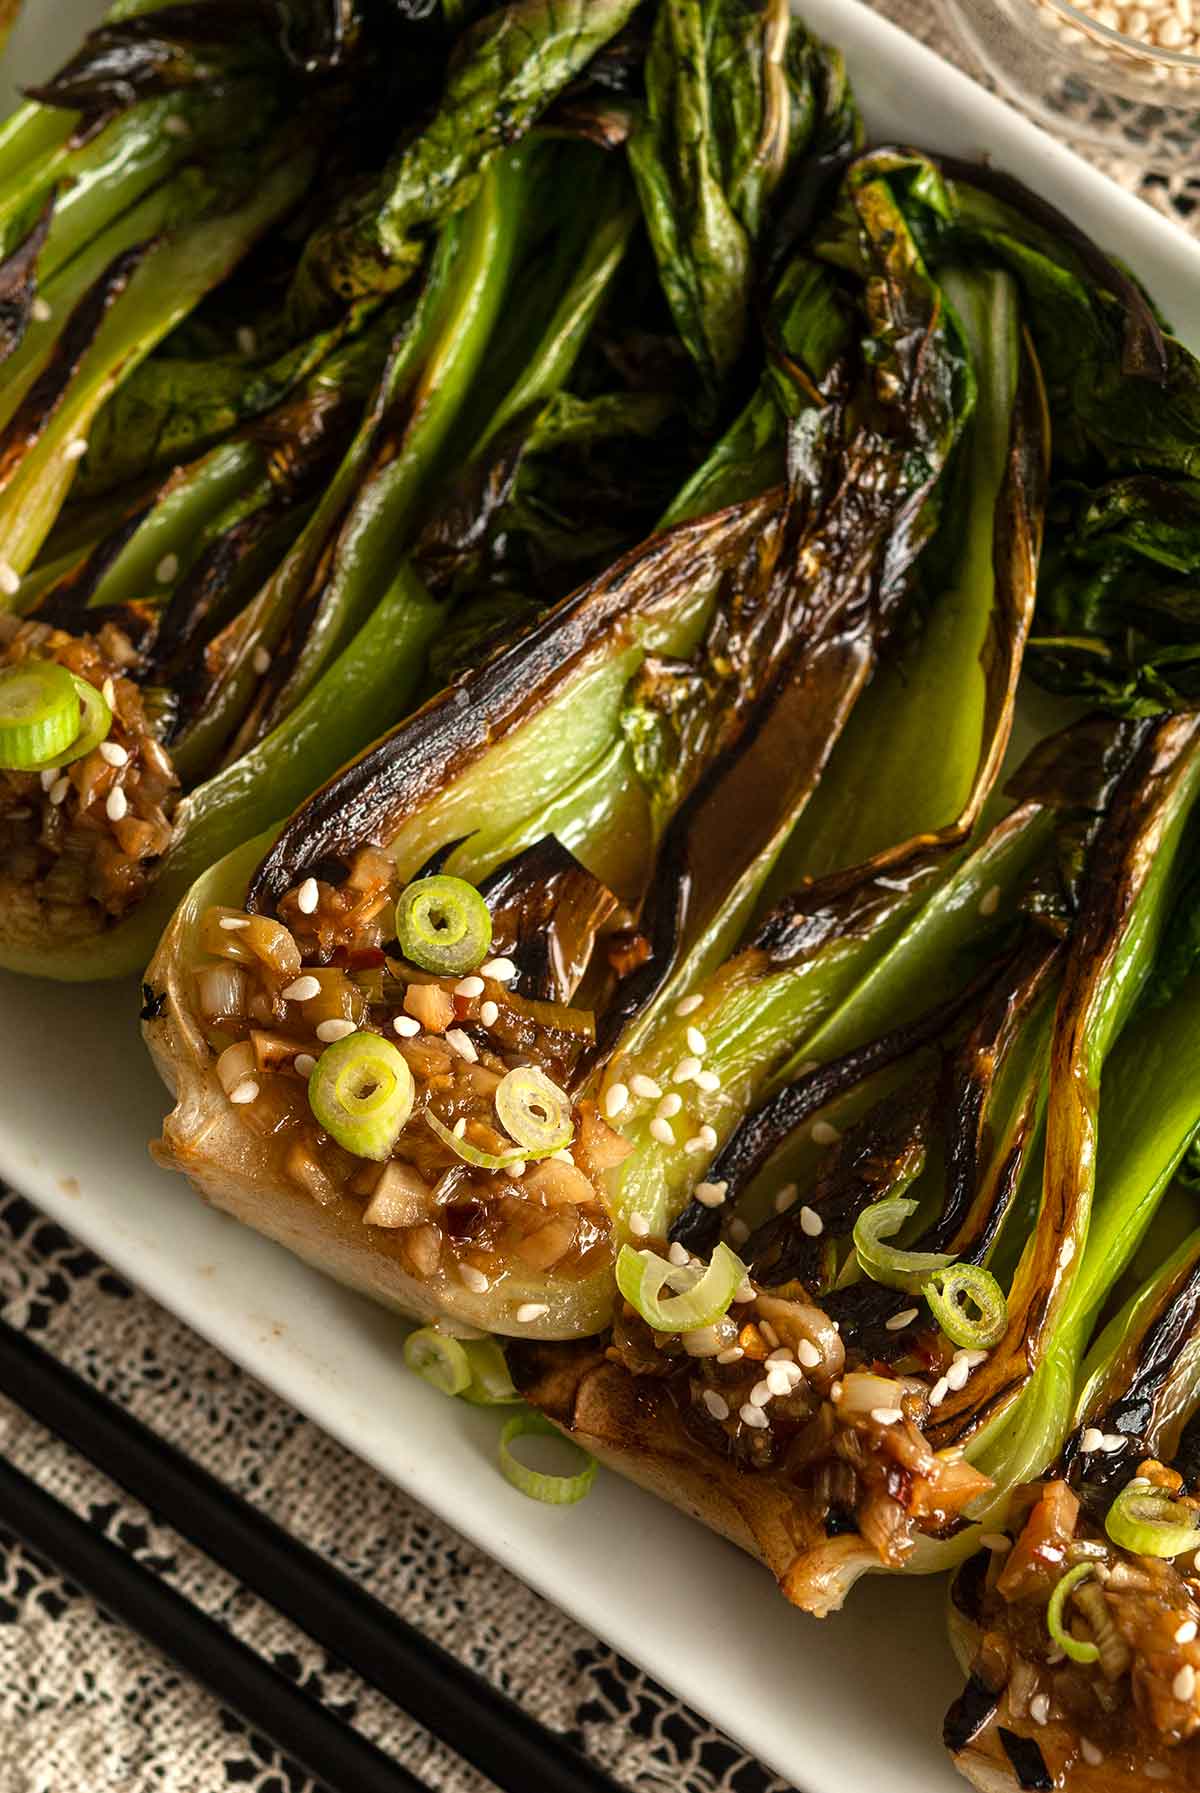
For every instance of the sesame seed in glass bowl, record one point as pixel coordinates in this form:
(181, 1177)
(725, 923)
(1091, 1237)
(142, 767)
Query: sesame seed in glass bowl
(1124, 74)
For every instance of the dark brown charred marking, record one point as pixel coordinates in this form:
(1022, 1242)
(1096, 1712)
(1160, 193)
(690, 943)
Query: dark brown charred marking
(68, 603)
(970, 1714)
(967, 1586)
(1145, 353)
(1187, 1454)
(438, 859)
(546, 909)
(18, 282)
(397, 776)
(34, 414)
(194, 607)
(462, 524)
(1118, 864)
(1028, 1762)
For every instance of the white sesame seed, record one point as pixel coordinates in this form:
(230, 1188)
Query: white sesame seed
(41, 311)
(243, 1092)
(899, 1321)
(1186, 1632)
(708, 1081)
(116, 806)
(1091, 1439)
(167, 569)
(696, 1041)
(175, 126)
(886, 1416)
(679, 1254)
(685, 1070)
(469, 987)
(517, 1168)
(639, 1226)
(989, 902)
(811, 1222)
(302, 989)
(489, 1013)
(1091, 1755)
(503, 970)
(710, 1195)
(1184, 1684)
(475, 1280)
(662, 1131)
(49, 777)
(247, 341)
(10, 579)
(780, 1381)
(260, 660)
(769, 1333)
(1055, 1655)
(305, 1064)
(687, 1005)
(669, 1107)
(761, 1393)
(564, 1157)
(739, 1232)
(693, 1146)
(743, 1293)
(532, 1310)
(645, 1088)
(407, 1026)
(781, 1353)
(754, 1417)
(836, 1392)
(731, 1355)
(233, 924)
(1039, 1708)
(113, 754)
(459, 1128)
(329, 1031)
(458, 1042)
(807, 1354)
(108, 692)
(1112, 1443)
(716, 1404)
(824, 1133)
(707, 1137)
(956, 1375)
(996, 1542)
(972, 1358)
(938, 1392)
(308, 896)
(616, 1099)
(76, 449)
(786, 1198)
(59, 789)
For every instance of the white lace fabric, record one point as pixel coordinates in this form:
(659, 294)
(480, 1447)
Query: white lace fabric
(85, 1707)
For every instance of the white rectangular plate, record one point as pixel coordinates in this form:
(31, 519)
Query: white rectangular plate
(855, 1702)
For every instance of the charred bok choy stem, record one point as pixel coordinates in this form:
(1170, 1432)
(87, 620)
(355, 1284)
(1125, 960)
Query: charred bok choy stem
(1078, 1627)
(927, 1200)
(612, 821)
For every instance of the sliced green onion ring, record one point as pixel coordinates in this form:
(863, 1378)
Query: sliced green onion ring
(949, 1291)
(474, 1154)
(443, 925)
(490, 1384)
(1148, 1522)
(887, 1264)
(91, 728)
(1074, 1647)
(534, 1111)
(39, 714)
(553, 1490)
(643, 1275)
(439, 1359)
(362, 1093)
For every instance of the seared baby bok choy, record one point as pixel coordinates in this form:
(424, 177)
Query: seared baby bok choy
(613, 787)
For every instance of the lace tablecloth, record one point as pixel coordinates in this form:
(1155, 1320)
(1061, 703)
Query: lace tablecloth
(85, 1708)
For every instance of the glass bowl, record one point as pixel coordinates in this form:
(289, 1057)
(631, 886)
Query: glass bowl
(1088, 81)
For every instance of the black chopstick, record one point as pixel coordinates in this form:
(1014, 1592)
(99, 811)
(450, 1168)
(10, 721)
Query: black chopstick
(266, 1700)
(478, 1722)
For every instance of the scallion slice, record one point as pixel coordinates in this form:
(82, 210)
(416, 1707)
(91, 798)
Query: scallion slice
(441, 1360)
(952, 1292)
(39, 714)
(91, 728)
(553, 1490)
(534, 1111)
(490, 1384)
(887, 1264)
(1149, 1523)
(1074, 1647)
(443, 925)
(362, 1093)
(643, 1275)
(474, 1154)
